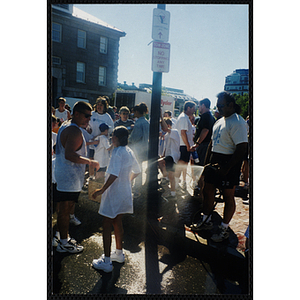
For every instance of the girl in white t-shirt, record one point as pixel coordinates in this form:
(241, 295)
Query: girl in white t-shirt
(116, 197)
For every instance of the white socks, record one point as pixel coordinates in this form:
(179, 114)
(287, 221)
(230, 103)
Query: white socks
(119, 252)
(224, 225)
(107, 259)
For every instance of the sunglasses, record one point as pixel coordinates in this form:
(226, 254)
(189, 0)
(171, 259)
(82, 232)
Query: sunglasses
(86, 115)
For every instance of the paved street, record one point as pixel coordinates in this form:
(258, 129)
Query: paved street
(162, 257)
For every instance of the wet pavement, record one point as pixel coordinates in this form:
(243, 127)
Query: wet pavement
(161, 256)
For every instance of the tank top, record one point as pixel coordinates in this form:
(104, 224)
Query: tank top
(69, 176)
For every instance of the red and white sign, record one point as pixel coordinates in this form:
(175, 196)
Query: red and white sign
(160, 57)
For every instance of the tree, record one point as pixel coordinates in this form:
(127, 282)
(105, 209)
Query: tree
(243, 102)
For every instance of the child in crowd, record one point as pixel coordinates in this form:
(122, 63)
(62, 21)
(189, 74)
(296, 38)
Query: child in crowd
(102, 148)
(116, 197)
(171, 153)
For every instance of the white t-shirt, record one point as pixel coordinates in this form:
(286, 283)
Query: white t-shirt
(101, 152)
(172, 144)
(184, 123)
(117, 199)
(227, 133)
(63, 116)
(98, 119)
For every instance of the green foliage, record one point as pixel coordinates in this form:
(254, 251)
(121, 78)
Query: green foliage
(243, 102)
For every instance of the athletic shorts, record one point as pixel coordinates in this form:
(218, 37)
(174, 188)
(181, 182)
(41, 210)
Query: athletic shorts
(59, 196)
(184, 154)
(231, 179)
(170, 164)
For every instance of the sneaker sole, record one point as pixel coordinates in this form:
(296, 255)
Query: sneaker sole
(61, 250)
(100, 269)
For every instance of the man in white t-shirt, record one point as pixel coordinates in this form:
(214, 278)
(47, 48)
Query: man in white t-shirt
(185, 130)
(225, 154)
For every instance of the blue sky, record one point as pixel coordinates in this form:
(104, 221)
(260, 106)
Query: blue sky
(207, 42)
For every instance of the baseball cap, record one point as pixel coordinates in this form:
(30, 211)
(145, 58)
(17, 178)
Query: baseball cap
(104, 126)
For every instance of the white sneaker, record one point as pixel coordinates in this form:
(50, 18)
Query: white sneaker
(70, 247)
(100, 264)
(74, 221)
(55, 241)
(118, 258)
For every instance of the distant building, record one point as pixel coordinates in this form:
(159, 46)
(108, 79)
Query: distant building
(125, 86)
(85, 53)
(237, 82)
(175, 93)
(179, 96)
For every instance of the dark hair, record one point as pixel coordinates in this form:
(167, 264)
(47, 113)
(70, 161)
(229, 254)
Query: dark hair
(142, 108)
(228, 97)
(168, 112)
(80, 106)
(168, 121)
(103, 101)
(188, 104)
(206, 102)
(121, 133)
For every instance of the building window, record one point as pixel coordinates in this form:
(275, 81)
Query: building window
(56, 32)
(103, 45)
(56, 60)
(80, 73)
(102, 76)
(81, 39)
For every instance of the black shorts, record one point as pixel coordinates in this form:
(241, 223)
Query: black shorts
(231, 179)
(59, 196)
(184, 154)
(170, 164)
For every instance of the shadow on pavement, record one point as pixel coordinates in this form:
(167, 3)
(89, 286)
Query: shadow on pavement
(106, 284)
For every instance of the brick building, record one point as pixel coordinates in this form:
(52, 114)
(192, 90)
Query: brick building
(85, 54)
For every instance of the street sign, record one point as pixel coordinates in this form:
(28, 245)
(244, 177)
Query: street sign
(160, 25)
(160, 57)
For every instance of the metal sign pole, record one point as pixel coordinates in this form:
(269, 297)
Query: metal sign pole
(153, 284)
(153, 200)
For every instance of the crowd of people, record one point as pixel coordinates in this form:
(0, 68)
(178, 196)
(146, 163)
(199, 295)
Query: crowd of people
(115, 145)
